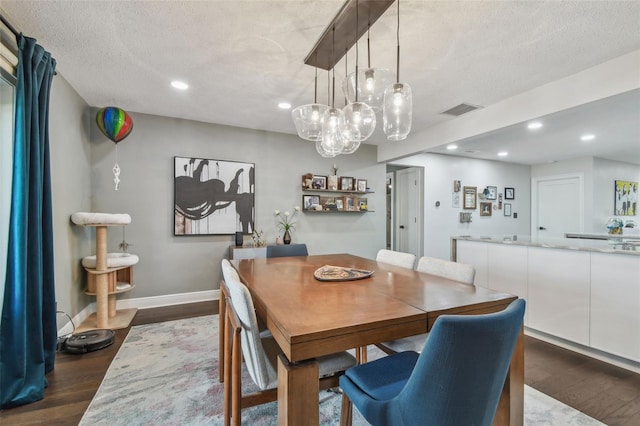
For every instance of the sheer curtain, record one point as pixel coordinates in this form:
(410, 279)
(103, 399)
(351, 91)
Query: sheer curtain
(28, 325)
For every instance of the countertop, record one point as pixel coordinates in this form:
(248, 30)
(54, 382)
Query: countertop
(630, 247)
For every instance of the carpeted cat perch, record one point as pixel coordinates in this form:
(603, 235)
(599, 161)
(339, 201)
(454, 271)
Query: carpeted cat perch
(107, 273)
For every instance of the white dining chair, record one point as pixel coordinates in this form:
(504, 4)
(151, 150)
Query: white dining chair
(455, 271)
(397, 258)
(260, 352)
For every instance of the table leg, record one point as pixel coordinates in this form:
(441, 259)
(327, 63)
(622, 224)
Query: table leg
(511, 406)
(298, 389)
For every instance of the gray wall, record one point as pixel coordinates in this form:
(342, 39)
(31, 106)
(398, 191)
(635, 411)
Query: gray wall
(70, 184)
(174, 265)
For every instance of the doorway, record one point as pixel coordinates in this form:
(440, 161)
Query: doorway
(557, 205)
(406, 209)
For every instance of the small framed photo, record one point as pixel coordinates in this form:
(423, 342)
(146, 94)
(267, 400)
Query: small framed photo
(456, 186)
(332, 183)
(469, 197)
(339, 204)
(349, 203)
(507, 209)
(319, 182)
(361, 185)
(509, 193)
(346, 183)
(309, 202)
(485, 208)
(492, 193)
(363, 204)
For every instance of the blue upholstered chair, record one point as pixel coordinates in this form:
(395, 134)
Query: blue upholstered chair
(287, 250)
(456, 380)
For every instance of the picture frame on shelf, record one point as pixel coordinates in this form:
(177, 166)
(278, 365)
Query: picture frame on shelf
(332, 183)
(319, 182)
(309, 202)
(509, 193)
(339, 204)
(492, 192)
(470, 196)
(485, 208)
(349, 203)
(346, 183)
(363, 204)
(361, 185)
(507, 209)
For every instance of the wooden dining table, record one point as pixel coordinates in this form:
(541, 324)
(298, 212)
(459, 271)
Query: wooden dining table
(309, 318)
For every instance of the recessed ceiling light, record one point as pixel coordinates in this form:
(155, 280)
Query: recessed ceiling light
(284, 105)
(180, 85)
(452, 146)
(534, 125)
(588, 137)
(503, 154)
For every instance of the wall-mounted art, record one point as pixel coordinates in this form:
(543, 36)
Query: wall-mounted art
(485, 208)
(626, 198)
(469, 197)
(213, 197)
(509, 193)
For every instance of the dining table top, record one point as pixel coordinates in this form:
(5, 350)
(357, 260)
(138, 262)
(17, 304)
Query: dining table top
(302, 311)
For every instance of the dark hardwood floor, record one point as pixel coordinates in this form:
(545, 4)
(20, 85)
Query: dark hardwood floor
(607, 393)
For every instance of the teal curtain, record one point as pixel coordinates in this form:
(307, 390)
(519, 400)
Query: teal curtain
(28, 325)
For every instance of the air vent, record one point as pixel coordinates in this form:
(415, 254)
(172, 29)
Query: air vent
(471, 151)
(461, 109)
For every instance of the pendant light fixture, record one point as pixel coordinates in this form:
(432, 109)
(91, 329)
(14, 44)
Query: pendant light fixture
(319, 146)
(370, 83)
(359, 118)
(308, 118)
(397, 110)
(333, 124)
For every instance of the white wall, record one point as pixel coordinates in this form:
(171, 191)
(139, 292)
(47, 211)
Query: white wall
(441, 223)
(605, 173)
(599, 177)
(172, 265)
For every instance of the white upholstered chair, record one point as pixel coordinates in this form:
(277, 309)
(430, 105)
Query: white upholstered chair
(455, 271)
(398, 258)
(260, 352)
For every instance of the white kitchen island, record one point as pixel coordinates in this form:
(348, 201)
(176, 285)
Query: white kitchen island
(581, 294)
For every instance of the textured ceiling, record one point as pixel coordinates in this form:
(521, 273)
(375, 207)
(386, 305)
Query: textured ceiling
(242, 57)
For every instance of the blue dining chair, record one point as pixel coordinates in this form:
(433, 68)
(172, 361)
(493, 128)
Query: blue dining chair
(287, 250)
(456, 380)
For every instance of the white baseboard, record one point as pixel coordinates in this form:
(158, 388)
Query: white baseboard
(144, 303)
(627, 364)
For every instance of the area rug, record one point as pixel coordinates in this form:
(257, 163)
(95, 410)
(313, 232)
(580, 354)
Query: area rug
(167, 374)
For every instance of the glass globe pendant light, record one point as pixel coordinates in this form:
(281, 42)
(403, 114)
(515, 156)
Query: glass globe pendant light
(308, 118)
(359, 118)
(368, 84)
(398, 104)
(333, 125)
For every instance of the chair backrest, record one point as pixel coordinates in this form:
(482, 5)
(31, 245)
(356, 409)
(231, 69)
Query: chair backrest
(398, 258)
(459, 375)
(285, 250)
(446, 269)
(252, 350)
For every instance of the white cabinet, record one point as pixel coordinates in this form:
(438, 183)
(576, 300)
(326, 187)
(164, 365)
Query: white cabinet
(507, 271)
(615, 304)
(474, 253)
(559, 292)
(237, 253)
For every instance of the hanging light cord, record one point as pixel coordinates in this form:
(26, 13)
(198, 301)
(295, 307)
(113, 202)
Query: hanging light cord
(333, 70)
(368, 46)
(315, 90)
(398, 41)
(356, 86)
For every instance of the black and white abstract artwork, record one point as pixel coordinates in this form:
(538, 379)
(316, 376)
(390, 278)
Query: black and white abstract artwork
(213, 197)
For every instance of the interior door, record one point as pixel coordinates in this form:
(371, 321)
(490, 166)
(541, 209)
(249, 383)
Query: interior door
(409, 211)
(558, 204)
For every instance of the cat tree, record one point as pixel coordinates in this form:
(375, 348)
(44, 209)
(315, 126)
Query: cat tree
(108, 274)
